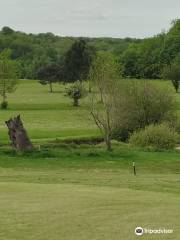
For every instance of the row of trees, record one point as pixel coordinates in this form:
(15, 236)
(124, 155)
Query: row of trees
(152, 58)
(50, 58)
(34, 51)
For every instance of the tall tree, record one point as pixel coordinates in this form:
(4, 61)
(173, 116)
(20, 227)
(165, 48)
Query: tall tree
(77, 61)
(104, 74)
(8, 76)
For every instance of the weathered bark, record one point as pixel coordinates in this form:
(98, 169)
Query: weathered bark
(18, 135)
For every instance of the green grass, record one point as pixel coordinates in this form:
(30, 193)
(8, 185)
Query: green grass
(84, 192)
(51, 115)
(47, 115)
(71, 192)
(62, 211)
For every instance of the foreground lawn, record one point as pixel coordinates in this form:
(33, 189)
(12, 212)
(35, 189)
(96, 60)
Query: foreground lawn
(65, 191)
(71, 192)
(77, 212)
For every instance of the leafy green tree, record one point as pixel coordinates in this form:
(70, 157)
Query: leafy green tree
(172, 43)
(172, 73)
(7, 30)
(76, 91)
(143, 60)
(130, 62)
(104, 75)
(77, 61)
(8, 76)
(49, 74)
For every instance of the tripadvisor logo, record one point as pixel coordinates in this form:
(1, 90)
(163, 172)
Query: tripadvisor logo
(139, 231)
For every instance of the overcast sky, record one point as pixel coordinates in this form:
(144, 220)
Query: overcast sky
(94, 18)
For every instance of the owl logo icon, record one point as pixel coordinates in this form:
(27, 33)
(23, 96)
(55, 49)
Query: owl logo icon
(139, 231)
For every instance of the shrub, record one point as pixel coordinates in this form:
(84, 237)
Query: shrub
(141, 104)
(155, 136)
(76, 91)
(4, 105)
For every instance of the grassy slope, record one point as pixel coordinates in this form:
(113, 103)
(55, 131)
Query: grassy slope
(83, 192)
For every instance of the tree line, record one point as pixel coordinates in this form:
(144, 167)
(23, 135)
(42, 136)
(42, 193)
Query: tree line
(149, 58)
(51, 58)
(34, 51)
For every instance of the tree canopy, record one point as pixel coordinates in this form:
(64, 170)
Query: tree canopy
(34, 51)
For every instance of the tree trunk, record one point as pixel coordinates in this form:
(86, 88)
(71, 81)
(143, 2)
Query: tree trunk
(90, 88)
(101, 96)
(4, 97)
(50, 85)
(18, 135)
(108, 142)
(76, 102)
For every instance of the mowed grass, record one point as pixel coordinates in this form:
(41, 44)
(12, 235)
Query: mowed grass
(71, 192)
(47, 115)
(43, 212)
(84, 192)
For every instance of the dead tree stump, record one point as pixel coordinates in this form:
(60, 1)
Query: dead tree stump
(18, 135)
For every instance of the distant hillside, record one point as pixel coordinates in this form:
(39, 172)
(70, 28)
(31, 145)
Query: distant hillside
(34, 50)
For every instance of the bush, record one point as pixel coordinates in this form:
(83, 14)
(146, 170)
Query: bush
(121, 133)
(76, 91)
(4, 105)
(155, 136)
(141, 104)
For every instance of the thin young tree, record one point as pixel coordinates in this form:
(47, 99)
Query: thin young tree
(8, 76)
(104, 75)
